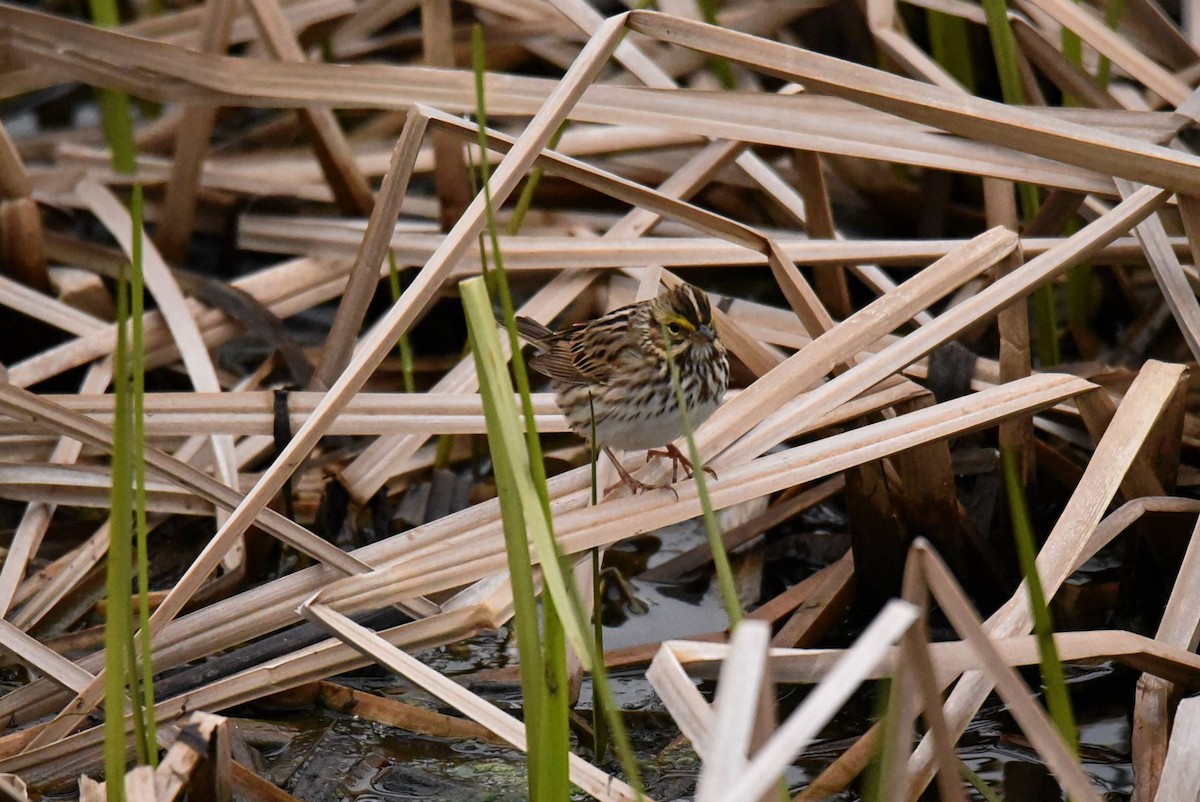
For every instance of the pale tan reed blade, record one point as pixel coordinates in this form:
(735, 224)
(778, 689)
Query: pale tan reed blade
(184, 330)
(728, 744)
(202, 744)
(372, 251)
(139, 785)
(1016, 355)
(351, 191)
(1139, 652)
(1180, 628)
(36, 519)
(1106, 41)
(42, 659)
(830, 285)
(251, 413)
(1037, 45)
(450, 180)
(1132, 511)
(916, 657)
(192, 142)
(14, 787)
(690, 711)
(1168, 272)
(1181, 771)
(1033, 720)
(591, 779)
(806, 721)
(1155, 385)
(37, 598)
(830, 598)
(485, 605)
(443, 550)
(967, 116)
(47, 309)
(89, 486)
(299, 234)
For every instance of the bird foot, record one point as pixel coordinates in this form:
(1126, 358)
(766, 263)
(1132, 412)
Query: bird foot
(634, 484)
(672, 452)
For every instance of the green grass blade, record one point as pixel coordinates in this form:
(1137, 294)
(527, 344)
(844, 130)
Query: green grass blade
(1053, 680)
(599, 729)
(143, 710)
(117, 630)
(404, 345)
(1114, 11)
(949, 41)
(525, 458)
(128, 471)
(978, 783)
(511, 457)
(525, 612)
(1072, 49)
(720, 65)
(508, 445)
(551, 778)
(1004, 49)
(554, 781)
(525, 201)
(725, 580)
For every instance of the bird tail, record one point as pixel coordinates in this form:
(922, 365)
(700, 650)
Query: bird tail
(532, 331)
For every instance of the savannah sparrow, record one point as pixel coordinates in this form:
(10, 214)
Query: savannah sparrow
(614, 369)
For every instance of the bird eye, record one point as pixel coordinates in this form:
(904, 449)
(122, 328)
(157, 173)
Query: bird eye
(673, 327)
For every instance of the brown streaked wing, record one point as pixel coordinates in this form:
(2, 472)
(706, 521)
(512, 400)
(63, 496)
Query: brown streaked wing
(557, 364)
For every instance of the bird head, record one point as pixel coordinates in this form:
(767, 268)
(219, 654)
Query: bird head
(685, 316)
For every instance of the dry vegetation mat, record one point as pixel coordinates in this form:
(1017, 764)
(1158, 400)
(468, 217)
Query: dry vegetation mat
(931, 232)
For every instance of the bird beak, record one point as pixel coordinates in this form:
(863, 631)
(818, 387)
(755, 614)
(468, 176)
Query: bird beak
(706, 333)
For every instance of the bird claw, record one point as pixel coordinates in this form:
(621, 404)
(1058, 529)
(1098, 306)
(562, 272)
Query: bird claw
(672, 452)
(634, 484)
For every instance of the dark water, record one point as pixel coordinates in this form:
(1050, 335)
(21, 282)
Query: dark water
(332, 756)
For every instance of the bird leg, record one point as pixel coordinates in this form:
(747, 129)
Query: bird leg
(635, 485)
(672, 452)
